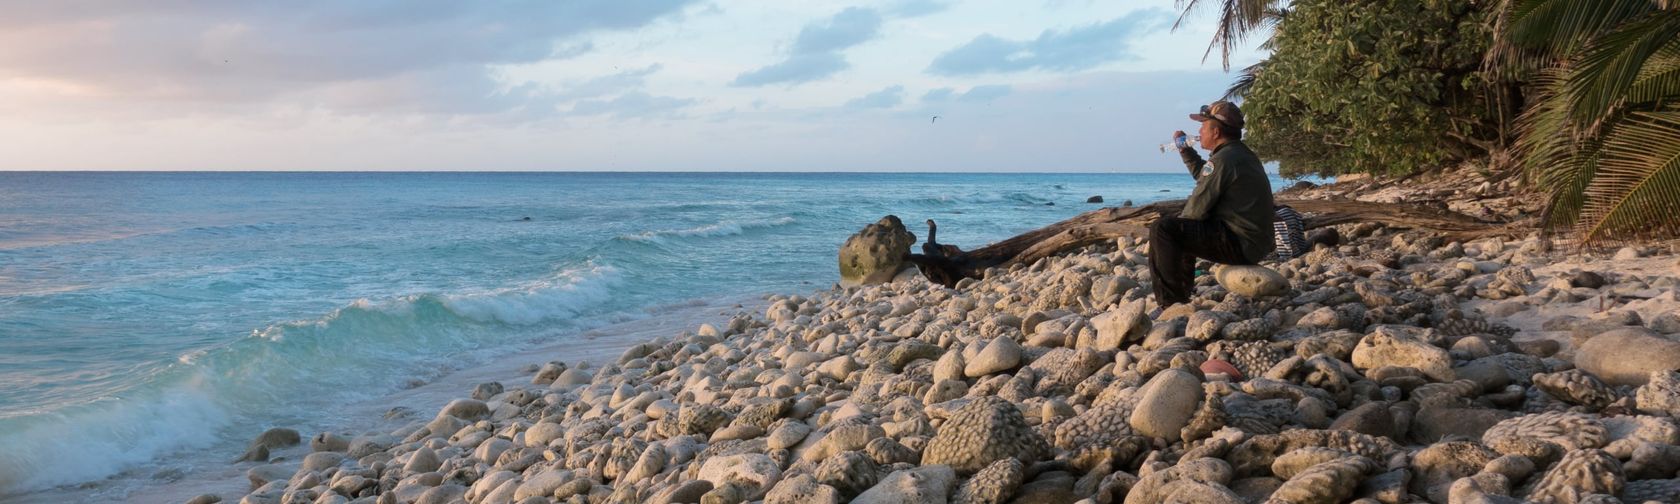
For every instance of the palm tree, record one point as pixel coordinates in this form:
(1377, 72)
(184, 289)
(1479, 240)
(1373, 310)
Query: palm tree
(1601, 132)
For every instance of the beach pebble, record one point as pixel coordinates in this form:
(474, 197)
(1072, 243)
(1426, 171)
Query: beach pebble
(1212, 366)
(1122, 325)
(1386, 348)
(801, 360)
(547, 373)
(849, 472)
(542, 484)
(753, 472)
(398, 413)
(838, 368)
(466, 409)
(734, 432)
(950, 366)
(571, 378)
(422, 460)
(1666, 323)
(802, 489)
(1660, 395)
(1627, 254)
(1251, 281)
(701, 419)
(260, 448)
(327, 441)
(1166, 405)
(321, 460)
(263, 474)
(911, 486)
(1608, 355)
(787, 434)
(205, 499)
(1001, 354)
(442, 494)
(687, 491)
(485, 391)
(843, 439)
(542, 433)
(660, 408)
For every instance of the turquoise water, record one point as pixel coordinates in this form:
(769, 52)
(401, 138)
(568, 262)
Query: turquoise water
(143, 316)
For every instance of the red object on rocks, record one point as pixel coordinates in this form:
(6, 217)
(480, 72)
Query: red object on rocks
(1211, 366)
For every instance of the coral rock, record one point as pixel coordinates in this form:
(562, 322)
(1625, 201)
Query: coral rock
(1327, 482)
(1577, 387)
(876, 253)
(1392, 348)
(849, 472)
(1436, 467)
(1661, 394)
(981, 432)
(1061, 369)
(1580, 473)
(1543, 436)
(992, 485)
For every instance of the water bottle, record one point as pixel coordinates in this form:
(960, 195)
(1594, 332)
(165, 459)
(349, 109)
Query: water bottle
(1180, 143)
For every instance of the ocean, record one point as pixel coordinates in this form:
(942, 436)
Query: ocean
(151, 323)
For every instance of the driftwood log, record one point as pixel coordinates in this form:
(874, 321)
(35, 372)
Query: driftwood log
(1106, 224)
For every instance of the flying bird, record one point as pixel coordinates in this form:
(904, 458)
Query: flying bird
(935, 119)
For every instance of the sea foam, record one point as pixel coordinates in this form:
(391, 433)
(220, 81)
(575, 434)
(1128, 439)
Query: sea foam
(357, 351)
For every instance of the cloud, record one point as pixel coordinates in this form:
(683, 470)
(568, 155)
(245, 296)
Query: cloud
(1078, 48)
(796, 69)
(885, 98)
(607, 84)
(249, 51)
(986, 93)
(816, 51)
(938, 95)
(974, 94)
(916, 8)
(634, 104)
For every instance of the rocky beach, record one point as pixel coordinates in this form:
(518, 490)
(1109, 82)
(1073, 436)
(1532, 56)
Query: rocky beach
(1385, 366)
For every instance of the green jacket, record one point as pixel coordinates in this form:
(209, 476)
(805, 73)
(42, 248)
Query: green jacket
(1231, 187)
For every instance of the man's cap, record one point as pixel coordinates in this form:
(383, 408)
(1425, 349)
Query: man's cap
(1223, 111)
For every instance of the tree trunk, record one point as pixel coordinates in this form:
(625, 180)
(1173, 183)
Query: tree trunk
(1106, 224)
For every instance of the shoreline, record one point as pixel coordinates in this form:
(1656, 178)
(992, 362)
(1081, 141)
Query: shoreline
(598, 345)
(1393, 366)
(1014, 386)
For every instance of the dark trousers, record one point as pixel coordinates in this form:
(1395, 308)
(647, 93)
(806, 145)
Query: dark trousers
(1174, 245)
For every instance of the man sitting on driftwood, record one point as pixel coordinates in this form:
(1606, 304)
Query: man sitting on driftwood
(1228, 218)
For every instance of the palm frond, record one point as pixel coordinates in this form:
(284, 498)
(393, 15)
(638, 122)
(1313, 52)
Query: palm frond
(1609, 68)
(1554, 153)
(1237, 19)
(1535, 34)
(1244, 82)
(1660, 77)
(1561, 26)
(1636, 192)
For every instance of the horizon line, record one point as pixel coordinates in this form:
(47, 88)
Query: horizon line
(697, 172)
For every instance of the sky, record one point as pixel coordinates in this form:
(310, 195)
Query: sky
(601, 85)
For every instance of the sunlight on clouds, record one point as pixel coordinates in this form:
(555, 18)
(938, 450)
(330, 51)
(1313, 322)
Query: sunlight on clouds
(595, 84)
